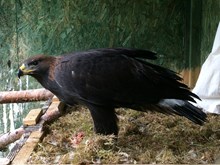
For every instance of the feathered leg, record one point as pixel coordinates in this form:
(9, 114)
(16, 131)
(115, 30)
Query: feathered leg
(105, 119)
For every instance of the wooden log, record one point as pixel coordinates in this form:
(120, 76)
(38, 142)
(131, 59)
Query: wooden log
(50, 116)
(55, 110)
(25, 96)
(10, 137)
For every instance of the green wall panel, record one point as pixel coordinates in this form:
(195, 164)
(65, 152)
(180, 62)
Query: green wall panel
(54, 26)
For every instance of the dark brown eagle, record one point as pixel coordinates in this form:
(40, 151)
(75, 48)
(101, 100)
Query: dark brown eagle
(105, 79)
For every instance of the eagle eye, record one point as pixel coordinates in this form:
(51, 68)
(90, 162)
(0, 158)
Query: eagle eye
(34, 63)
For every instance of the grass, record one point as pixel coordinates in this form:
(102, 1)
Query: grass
(143, 138)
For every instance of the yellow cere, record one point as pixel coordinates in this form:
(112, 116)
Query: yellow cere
(22, 67)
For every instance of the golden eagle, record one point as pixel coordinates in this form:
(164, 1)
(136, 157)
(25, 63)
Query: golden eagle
(108, 78)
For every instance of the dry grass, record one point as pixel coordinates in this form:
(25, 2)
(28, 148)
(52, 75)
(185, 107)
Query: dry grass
(144, 138)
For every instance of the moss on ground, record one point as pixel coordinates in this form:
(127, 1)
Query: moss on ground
(143, 138)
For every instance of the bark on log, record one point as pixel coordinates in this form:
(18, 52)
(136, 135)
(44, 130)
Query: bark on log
(10, 137)
(25, 96)
(50, 116)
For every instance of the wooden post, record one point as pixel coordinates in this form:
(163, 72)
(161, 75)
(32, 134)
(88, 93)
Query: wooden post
(193, 42)
(190, 76)
(25, 152)
(37, 135)
(32, 117)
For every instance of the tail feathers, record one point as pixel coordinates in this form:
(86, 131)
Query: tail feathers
(183, 108)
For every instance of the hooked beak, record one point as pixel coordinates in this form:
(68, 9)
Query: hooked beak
(23, 70)
(20, 73)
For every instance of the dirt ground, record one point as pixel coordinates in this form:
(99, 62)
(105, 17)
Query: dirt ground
(144, 138)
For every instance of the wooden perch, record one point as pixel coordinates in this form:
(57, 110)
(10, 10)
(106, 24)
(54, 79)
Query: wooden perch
(10, 137)
(55, 110)
(51, 115)
(25, 96)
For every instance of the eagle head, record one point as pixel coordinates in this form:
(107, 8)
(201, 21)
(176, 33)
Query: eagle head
(35, 66)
